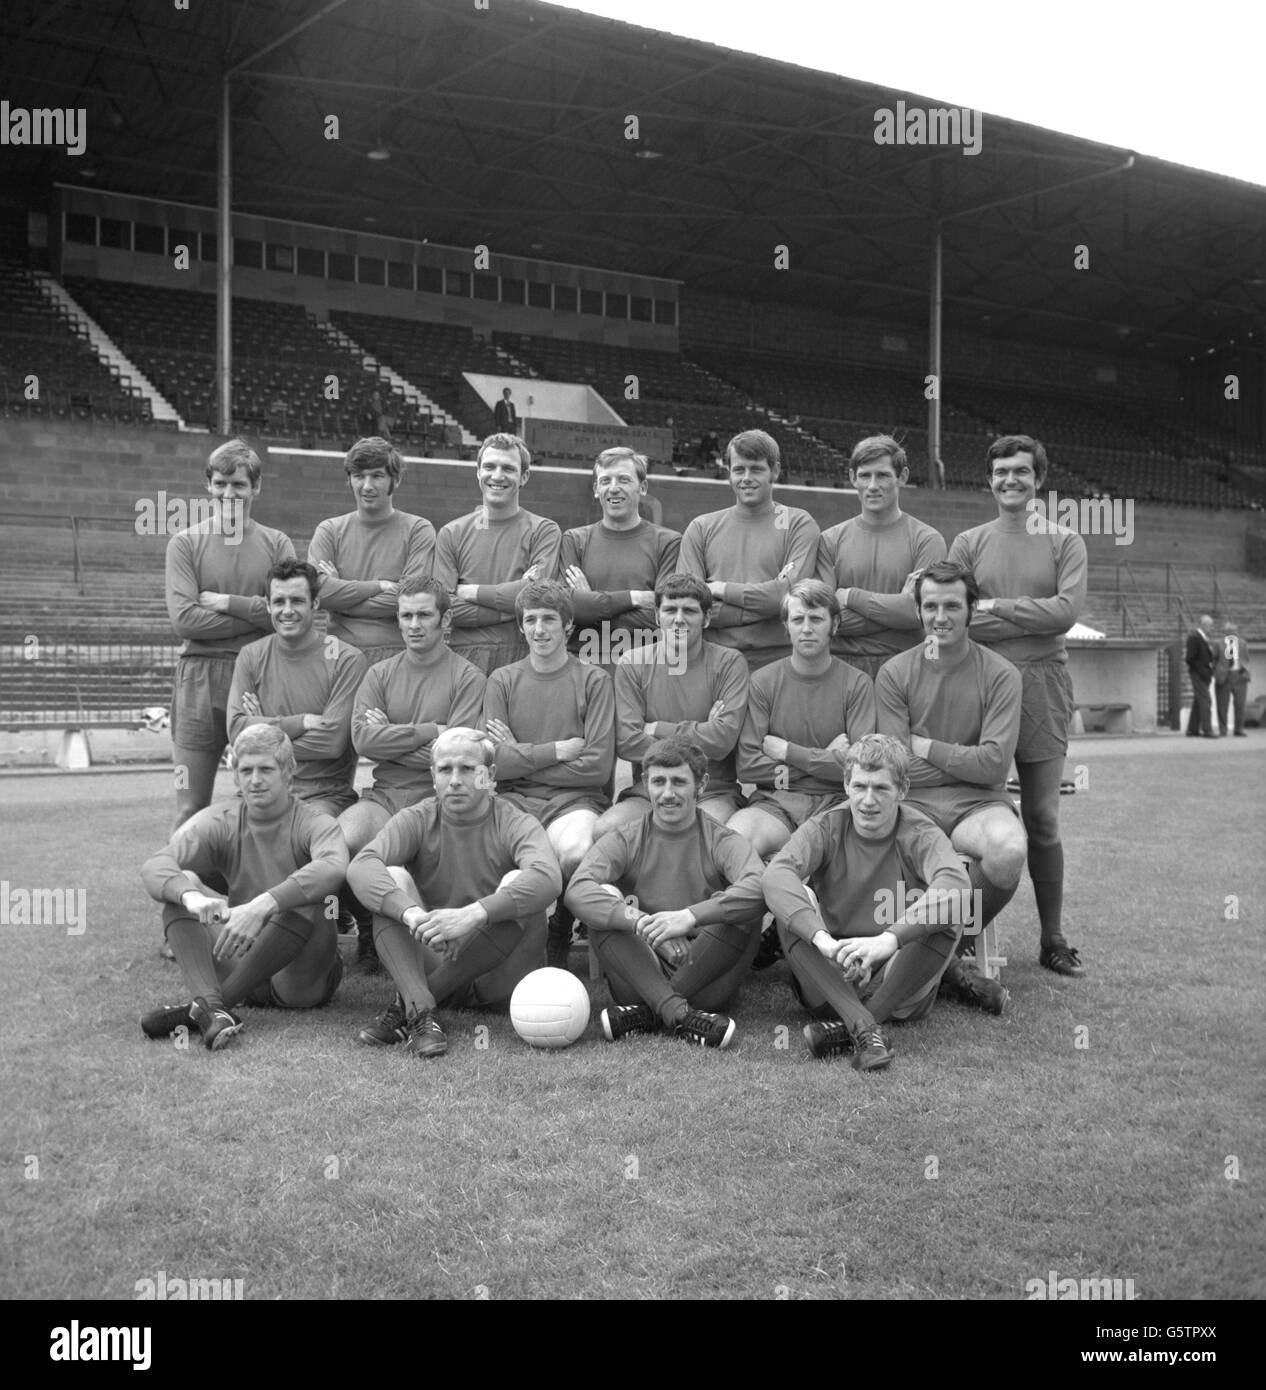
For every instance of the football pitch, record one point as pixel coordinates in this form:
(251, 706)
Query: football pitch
(1106, 1128)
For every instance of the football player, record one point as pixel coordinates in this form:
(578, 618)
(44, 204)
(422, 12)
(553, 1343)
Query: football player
(886, 901)
(458, 884)
(269, 940)
(673, 905)
(750, 554)
(1032, 578)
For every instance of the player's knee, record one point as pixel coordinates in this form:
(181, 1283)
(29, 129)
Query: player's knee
(1041, 821)
(1004, 854)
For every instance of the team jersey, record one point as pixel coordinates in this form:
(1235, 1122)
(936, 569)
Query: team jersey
(677, 697)
(614, 563)
(748, 549)
(456, 861)
(704, 867)
(969, 708)
(873, 561)
(1038, 582)
(809, 712)
(321, 678)
(299, 855)
(575, 701)
(416, 698)
(205, 557)
(861, 884)
(493, 553)
(399, 547)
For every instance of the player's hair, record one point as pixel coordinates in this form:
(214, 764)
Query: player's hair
(544, 593)
(756, 445)
(948, 572)
(873, 751)
(512, 444)
(291, 568)
(1008, 446)
(676, 752)
(608, 458)
(460, 733)
(232, 455)
(428, 584)
(684, 586)
(874, 448)
(375, 452)
(269, 740)
(813, 593)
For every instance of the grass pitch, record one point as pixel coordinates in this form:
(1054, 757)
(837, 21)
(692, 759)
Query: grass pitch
(1110, 1127)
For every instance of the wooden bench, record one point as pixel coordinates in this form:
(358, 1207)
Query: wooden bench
(1110, 716)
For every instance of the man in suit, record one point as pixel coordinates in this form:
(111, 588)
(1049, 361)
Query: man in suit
(1200, 665)
(505, 416)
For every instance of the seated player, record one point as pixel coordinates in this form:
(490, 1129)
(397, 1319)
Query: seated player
(217, 596)
(401, 708)
(614, 566)
(459, 884)
(552, 719)
(484, 559)
(871, 560)
(886, 900)
(673, 905)
(682, 687)
(305, 684)
(802, 713)
(1032, 578)
(956, 705)
(270, 940)
(750, 554)
(366, 555)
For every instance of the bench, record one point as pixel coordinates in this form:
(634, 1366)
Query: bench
(1110, 716)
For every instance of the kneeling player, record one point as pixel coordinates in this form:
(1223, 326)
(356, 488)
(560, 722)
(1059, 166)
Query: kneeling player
(271, 941)
(458, 886)
(673, 905)
(889, 898)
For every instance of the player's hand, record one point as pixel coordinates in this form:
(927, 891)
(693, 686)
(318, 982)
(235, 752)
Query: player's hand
(218, 603)
(642, 598)
(841, 596)
(839, 744)
(567, 750)
(325, 568)
(666, 926)
(911, 580)
(788, 570)
(243, 927)
(986, 605)
(532, 572)
(675, 952)
(859, 955)
(649, 728)
(576, 579)
(376, 717)
(210, 909)
(389, 586)
(251, 705)
(467, 593)
(499, 732)
(317, 721)
(716, 711)
(920, 746)
(775, 748)
(448, 927)
(717, 589)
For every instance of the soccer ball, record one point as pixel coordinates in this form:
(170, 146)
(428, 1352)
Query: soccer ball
(549, 1008)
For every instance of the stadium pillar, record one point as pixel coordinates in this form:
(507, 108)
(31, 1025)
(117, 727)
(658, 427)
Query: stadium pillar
(936, 469)
(224, 265)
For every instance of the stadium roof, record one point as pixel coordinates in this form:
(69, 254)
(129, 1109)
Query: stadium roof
(509, 126)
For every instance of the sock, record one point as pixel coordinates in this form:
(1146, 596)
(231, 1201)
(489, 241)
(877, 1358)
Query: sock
(494, 988)
(406, 961)
(1046, 869)
(483, 950)
(283, 937)
(349, 902)
(635, 972)
(992, 900)
(562, 920)
(716, 955)
(824, 978)
(192, 944)
(915, 965)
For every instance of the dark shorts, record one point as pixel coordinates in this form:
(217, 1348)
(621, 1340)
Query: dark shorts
(200, 702)
(868, 665)
(393, 799)
(331, 797)
(1046, 711)
(373, 655)
(734, 797)
(948, 806)
(549, 808)
(490, 656)
(794, 808)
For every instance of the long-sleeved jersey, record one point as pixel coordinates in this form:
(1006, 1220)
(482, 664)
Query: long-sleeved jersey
(615, 563)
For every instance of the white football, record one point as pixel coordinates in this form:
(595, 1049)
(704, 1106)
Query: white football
(549, 1008)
